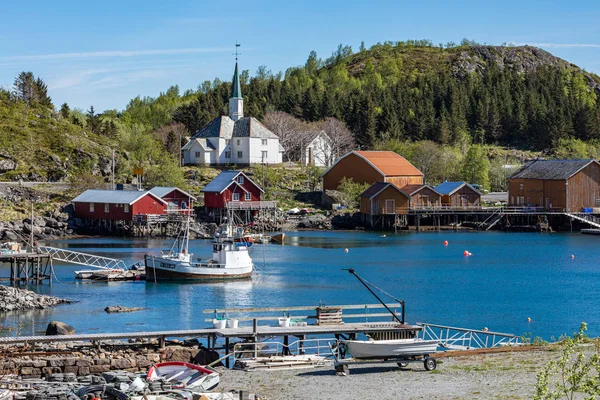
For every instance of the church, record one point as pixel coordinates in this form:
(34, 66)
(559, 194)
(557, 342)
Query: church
(233, 139)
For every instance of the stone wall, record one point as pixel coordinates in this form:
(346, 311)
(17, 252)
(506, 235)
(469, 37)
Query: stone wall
(83, 360)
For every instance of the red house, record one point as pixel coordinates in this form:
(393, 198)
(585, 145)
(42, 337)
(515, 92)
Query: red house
(230, 186)
(117, 205)
(178, 201)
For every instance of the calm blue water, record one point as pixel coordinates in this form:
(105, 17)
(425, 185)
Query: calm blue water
(510, 277)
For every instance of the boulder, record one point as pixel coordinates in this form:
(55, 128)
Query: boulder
(36, 230)
(59, 328)
(7, 165)
(10, 236)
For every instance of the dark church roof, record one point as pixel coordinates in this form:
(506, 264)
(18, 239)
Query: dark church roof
(226, 128)
(551, 169)
(236, 90)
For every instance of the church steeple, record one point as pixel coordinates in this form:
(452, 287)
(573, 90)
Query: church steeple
(236, 90)
(236, 101)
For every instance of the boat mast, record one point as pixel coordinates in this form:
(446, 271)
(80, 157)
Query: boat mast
(351, 270)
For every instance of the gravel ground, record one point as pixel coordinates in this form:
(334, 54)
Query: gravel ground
(484, 376)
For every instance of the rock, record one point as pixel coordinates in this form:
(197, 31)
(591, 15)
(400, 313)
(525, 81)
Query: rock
(59, 328)
(121, 309)
(36, 230)
(10, 236)
(38, 220)
(7, 165)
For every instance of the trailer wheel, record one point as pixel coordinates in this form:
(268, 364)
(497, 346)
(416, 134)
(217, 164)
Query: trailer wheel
(403, 364)
(430, 363)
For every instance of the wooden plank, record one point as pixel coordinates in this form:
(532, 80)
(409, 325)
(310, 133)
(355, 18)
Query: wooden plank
(345, 316)
(296, 308)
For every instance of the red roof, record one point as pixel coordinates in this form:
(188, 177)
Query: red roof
(389, 163)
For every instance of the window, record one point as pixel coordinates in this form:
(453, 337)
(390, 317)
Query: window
(197, 154)
(126, 208)
(238, 142)
(248, 196)
(240, 154)
(236, 197)
(263, 142)
(106, 207)
(227, 154)
(240, 179)
(227, 142)
(264, 156)
(91, 207)
(521, 186)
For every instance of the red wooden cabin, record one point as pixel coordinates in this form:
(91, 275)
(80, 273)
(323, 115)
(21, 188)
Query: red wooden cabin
(118, 205)
(230, 186)
(178, 201)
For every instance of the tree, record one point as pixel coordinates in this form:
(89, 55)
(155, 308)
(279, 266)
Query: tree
(65, 111)
(340, 141)
(24, 88)
(164, 173)
(41, 93)
(173, 137)
(93, 120)
(291, 132)
(351, 191)
(476, 166)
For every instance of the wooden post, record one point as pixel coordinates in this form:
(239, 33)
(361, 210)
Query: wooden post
(286, 343)
(227, 351)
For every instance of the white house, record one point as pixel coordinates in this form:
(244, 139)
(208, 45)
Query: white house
(319, 151)
(233, 138)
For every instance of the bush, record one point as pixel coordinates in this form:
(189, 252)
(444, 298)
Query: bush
(351, 191)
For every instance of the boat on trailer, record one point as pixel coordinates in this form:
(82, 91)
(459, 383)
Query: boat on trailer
(230, 260)
(386, 349)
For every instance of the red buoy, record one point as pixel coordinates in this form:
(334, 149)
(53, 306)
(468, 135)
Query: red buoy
(445, 243)
(466, 253)
(572, 256)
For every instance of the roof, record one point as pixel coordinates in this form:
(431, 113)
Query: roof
(162, 191)
(388, 163)
(202, 142)
(379, 187)
(224, 180)
(236, 90)
(551, 169)
(312, 136)
(412, 189)
(113, 196)
(225, 127)
(448, 188)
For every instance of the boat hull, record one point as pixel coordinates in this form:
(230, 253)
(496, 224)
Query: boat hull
(157, 269)
(382, 349)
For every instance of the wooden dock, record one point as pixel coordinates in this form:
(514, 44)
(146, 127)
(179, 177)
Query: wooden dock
(26, 267)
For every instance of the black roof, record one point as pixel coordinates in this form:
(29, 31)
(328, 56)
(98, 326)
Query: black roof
(550, 169)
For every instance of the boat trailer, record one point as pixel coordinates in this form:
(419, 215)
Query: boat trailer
(341, 363)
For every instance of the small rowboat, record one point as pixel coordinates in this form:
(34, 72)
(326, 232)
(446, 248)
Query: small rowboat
(382, 349)
(279, 238)
(184, 375)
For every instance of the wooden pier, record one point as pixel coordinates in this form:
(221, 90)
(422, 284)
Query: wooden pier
(28, 267)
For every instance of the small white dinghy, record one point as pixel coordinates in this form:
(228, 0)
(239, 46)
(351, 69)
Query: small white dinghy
(184, 375)
(397, 348)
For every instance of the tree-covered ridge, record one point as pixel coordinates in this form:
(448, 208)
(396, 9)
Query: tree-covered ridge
(513, 96)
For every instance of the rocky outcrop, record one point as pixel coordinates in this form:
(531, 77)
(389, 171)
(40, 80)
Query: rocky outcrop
(51, 225)
(316, 221)
(121, 309)
(55, 328)
(13, 299)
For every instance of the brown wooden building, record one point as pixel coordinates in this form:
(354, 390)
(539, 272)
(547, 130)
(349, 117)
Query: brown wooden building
(565, 185)
(422, 196)
(371, 167)
(458, 195)
(384, 198)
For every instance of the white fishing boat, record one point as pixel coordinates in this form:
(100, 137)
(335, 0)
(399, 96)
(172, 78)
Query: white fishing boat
(230, 260)
(382, 349)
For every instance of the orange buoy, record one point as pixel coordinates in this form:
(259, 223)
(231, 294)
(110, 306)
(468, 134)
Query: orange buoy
(528, 319)
(466, 253)
(345, 250)
(445, 243)
(572, 256)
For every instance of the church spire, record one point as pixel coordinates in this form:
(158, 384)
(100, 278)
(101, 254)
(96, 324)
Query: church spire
(236, 101)
(236, 90)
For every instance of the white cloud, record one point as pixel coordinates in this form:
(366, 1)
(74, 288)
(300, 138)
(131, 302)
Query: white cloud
(563, 45)
(113, 53)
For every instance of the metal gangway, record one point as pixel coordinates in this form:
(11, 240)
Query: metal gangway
(585, 218)
(88, 260)
(453, 338)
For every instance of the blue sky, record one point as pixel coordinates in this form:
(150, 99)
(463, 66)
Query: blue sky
(106, 53)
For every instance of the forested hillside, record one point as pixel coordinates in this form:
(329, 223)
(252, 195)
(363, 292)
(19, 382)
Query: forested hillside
(456, 111)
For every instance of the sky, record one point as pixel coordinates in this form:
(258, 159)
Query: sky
(106, 53)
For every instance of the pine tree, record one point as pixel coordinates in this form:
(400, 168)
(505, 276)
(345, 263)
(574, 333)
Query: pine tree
(65, 111)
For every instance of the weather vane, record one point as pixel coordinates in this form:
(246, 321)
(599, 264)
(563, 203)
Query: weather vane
(236, 50)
